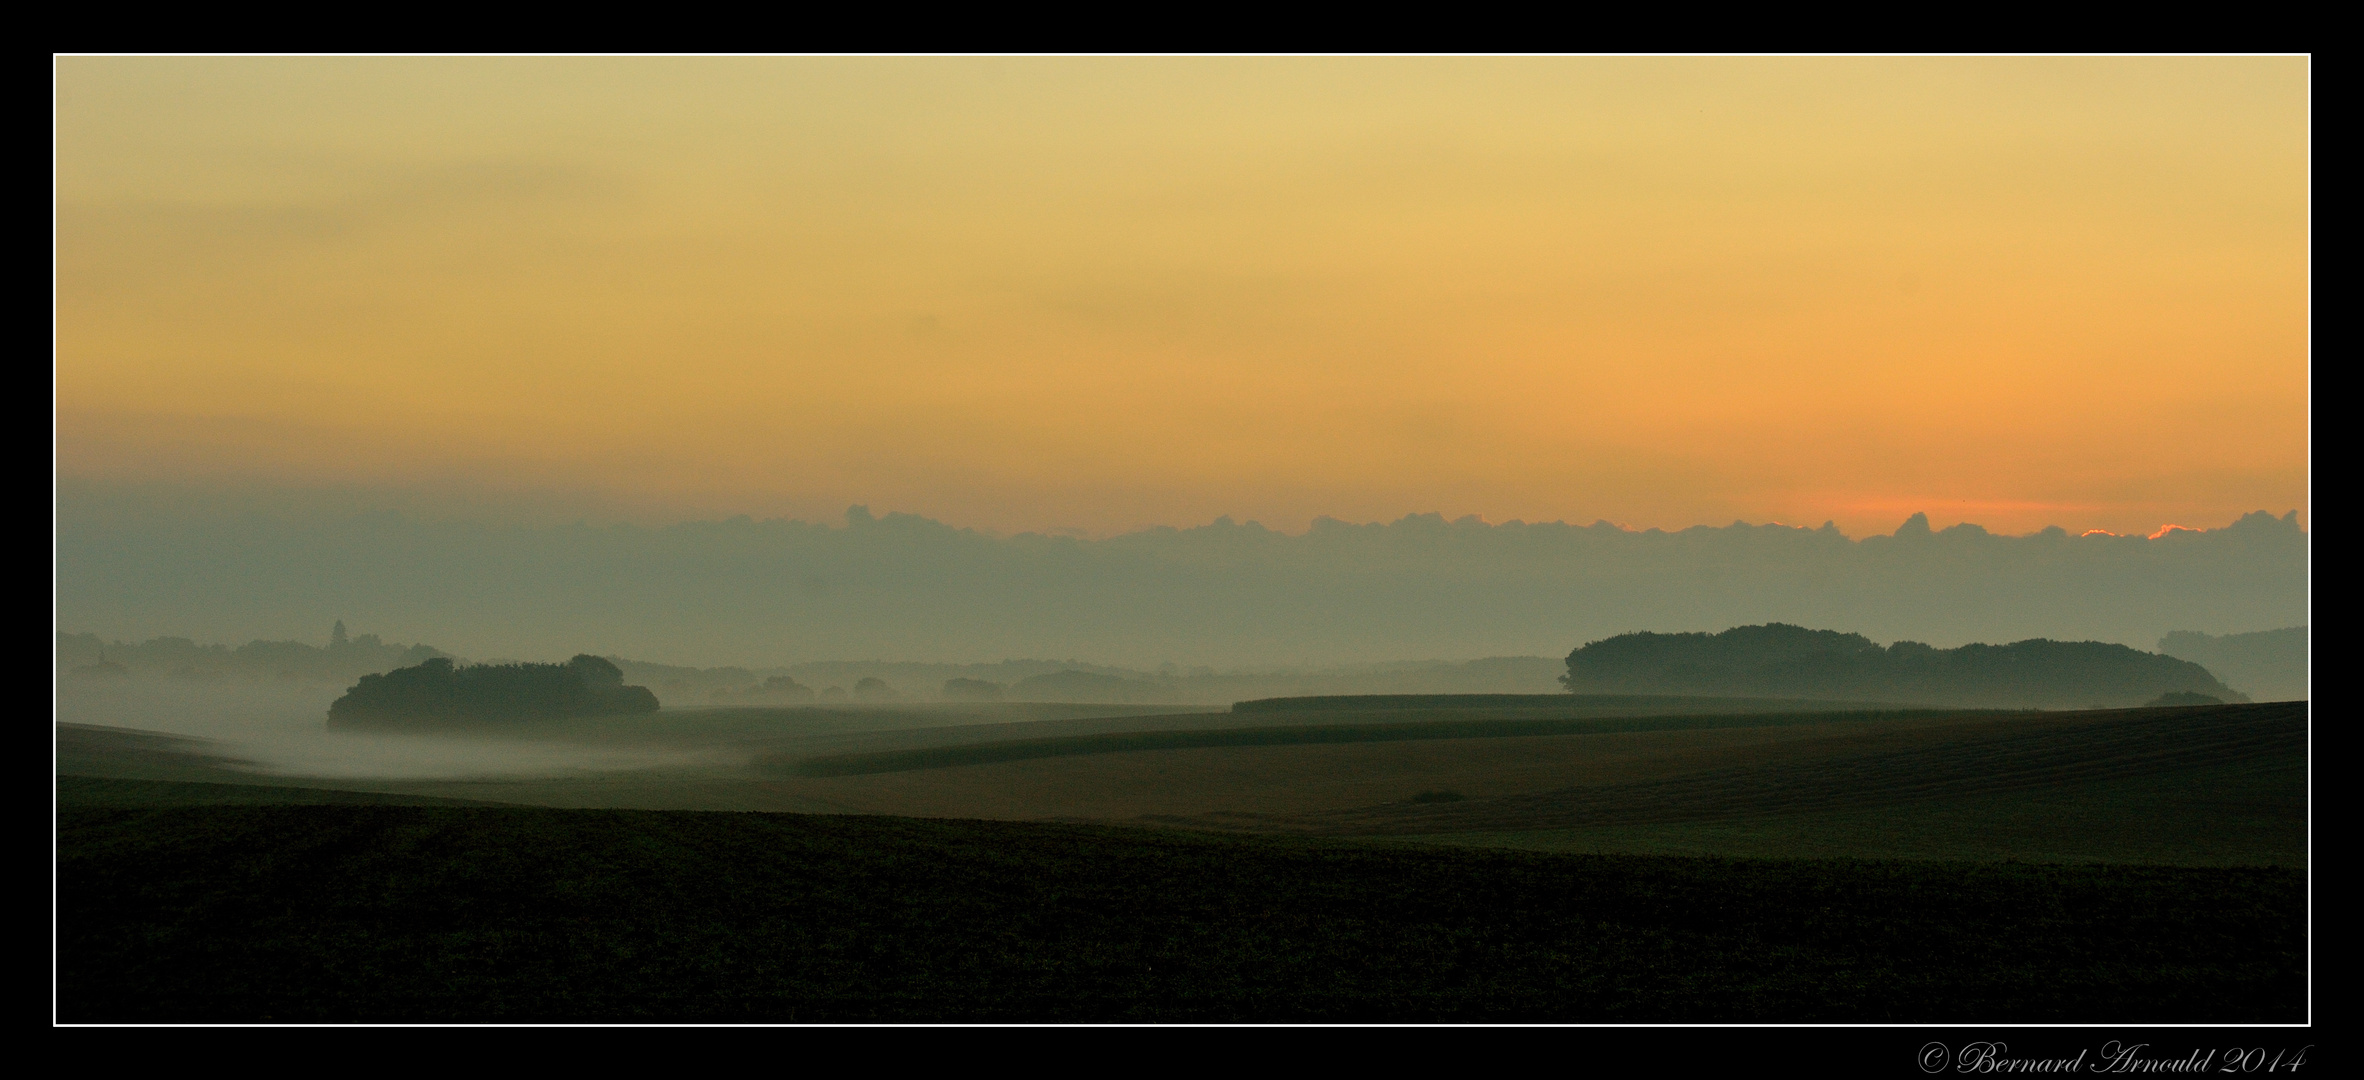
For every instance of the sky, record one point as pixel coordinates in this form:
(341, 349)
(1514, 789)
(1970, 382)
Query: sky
(1095, 295)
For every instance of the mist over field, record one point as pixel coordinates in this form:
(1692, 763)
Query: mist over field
(898, 586)
(274, 728)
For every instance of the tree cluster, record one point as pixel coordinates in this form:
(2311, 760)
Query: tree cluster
(439, 690)
(1780, 660)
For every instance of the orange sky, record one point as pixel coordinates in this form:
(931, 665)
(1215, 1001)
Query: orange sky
(1107, 293)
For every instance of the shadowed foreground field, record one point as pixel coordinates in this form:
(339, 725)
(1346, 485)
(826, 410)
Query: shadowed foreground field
(361, 912)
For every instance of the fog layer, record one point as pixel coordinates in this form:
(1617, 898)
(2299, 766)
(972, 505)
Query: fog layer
(280, 729)
(905, 587)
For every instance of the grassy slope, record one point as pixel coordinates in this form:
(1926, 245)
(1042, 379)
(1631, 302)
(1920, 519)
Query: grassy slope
(391, 913)
(1550, 704)
(1387, 726)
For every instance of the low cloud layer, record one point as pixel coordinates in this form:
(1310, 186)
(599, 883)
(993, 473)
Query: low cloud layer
(900, 586)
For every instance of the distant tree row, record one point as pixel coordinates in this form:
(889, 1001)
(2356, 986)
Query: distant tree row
(1068, 685)
(781, 689)
(776, 690)
(972, 690)
(343, 658)
(1780, 660)
(1060, 686)
(439, 690)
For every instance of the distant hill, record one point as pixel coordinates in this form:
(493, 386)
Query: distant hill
(1779, 660)
(438, 690)
(2269, 665)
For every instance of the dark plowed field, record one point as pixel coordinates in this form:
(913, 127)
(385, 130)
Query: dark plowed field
(379, 913)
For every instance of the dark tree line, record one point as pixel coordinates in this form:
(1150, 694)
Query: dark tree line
(440, 690)
(1779, 660)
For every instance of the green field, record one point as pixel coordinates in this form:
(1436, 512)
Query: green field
(371, 912)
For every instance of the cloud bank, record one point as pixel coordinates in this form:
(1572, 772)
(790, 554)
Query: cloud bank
(901, 586)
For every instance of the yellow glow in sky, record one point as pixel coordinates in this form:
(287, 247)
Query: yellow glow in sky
(1106, 293)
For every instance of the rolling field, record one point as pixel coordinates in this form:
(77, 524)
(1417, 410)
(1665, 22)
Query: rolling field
(1375, 727)
(2222, 785)
(85, 792)
(2042, 754)
(391, 913)
(1338, 862)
